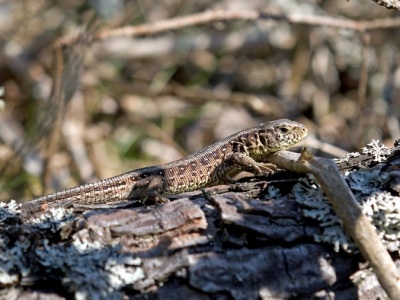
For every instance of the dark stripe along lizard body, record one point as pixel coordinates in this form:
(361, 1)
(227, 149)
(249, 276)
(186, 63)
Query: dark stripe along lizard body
(242, 151)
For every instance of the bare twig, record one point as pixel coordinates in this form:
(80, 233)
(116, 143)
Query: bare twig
(158, 133)
(344, 203)
(58, 105)
(362, 89)
(223, 15)
(264, 104)
(67, 65)
(327, 148)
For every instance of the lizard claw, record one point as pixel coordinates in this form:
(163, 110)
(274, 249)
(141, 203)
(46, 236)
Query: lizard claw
(155, 197)
(266, 169)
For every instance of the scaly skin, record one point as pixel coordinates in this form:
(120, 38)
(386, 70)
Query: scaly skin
(242, 151)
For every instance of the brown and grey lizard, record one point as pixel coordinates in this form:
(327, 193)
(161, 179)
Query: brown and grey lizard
(242, 151)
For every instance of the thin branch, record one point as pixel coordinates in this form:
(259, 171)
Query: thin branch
(314, 143)
(362, 89)
(223, 15)
(344, 203)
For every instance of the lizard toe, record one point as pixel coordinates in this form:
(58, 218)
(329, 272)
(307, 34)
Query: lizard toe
(267, 169)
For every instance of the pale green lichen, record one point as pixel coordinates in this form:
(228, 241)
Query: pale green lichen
(381, 207)
(380, 152)
(12, 262)
(54, 219)
(273, 192)
(12, 253)
(315, 205)
(91, 272)
(9, 211)
(347, 157)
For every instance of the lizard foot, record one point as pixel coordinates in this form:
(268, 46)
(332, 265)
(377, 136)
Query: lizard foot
(266, 169)
(154, 197)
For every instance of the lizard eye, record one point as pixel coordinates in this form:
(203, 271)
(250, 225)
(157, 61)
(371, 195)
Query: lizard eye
(283, 129)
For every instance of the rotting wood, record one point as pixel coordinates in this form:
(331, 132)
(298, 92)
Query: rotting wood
(242, 240)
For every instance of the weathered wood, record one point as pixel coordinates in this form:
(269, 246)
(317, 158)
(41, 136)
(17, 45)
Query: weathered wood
(350, 213)
(250, 240)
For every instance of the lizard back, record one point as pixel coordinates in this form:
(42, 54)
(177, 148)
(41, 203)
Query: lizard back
(197, 170)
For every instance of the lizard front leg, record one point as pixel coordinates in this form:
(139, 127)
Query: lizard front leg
(246, 163)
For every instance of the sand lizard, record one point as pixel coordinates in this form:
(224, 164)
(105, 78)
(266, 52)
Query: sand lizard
(242, 151)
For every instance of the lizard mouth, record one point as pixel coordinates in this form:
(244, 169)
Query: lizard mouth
(297, 136)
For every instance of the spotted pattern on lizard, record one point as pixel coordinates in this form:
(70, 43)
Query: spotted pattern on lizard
(242, 151)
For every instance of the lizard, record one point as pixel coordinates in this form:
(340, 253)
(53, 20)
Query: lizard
(243, 151)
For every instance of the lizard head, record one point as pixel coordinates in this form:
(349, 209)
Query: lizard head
(280, 134)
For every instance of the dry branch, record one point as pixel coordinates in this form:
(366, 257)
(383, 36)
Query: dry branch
(346, 207)
(223, 15)
(246, 240)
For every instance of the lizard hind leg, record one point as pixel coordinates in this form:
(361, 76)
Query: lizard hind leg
(149, 188)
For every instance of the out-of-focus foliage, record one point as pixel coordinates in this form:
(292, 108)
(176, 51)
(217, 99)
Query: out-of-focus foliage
(155, 98)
